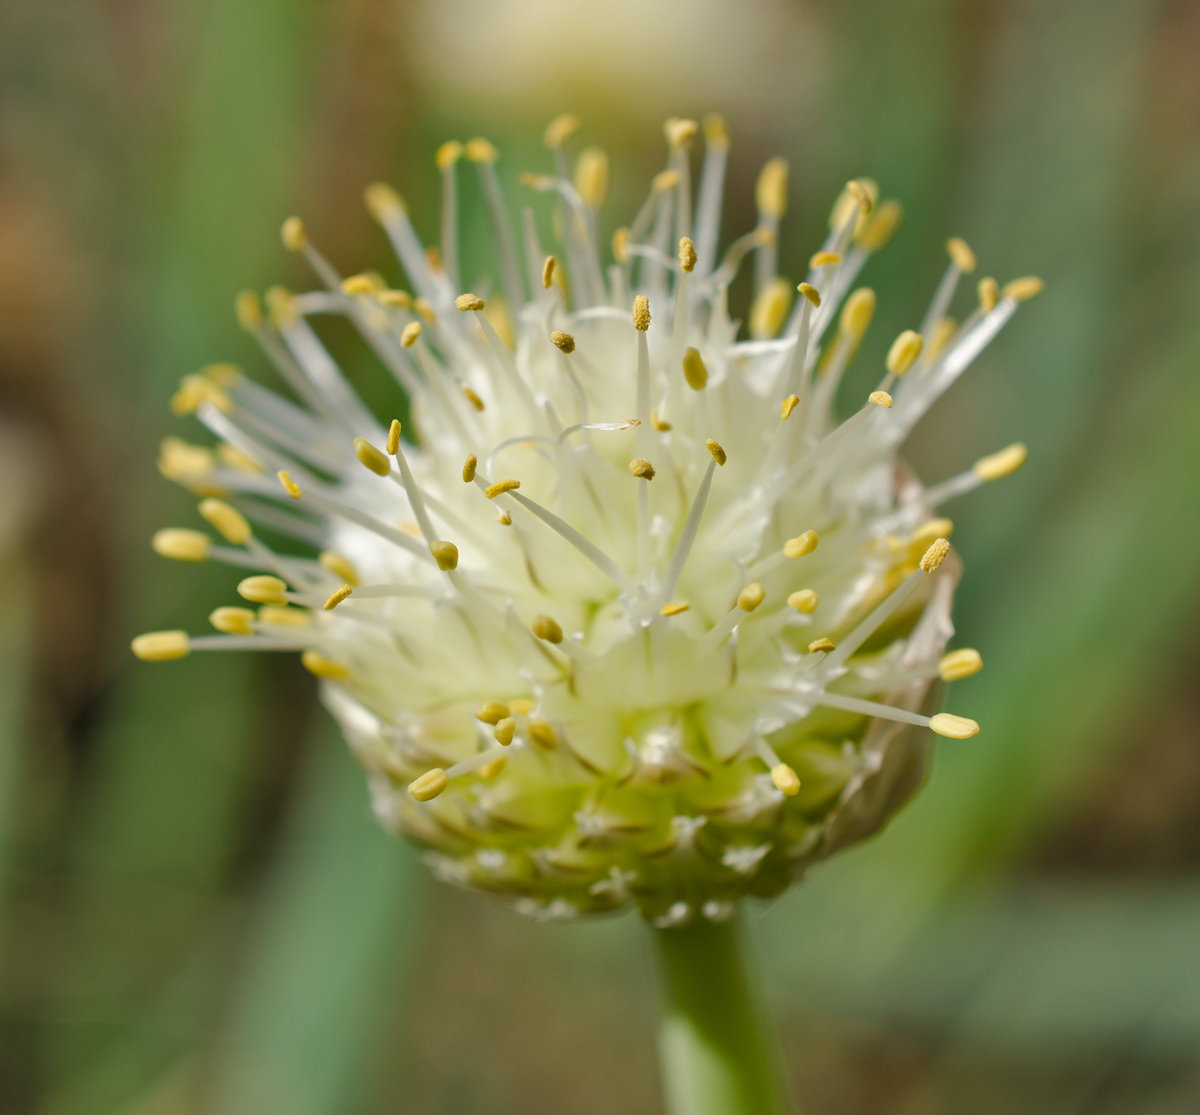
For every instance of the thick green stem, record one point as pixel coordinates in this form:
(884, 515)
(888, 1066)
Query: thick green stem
(718, 1053)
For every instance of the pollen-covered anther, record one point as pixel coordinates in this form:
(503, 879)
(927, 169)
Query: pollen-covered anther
(161, 646)
(542, 735)
(336, 597)
(857, 313)
(674, 608)
(823, 644)
(445, 554)
(789, 405)
(718, 454)
(801, 545)
(810, 292)
(679, 132)
(694, 371)
(770, 192)
(641, 313)
(804, 601)
(328, 669)
(339, 567)
(751, 597)
(1021, 290)
(996, 466)
(263, 589)
(468, 472)
(500, 487)
(641, 468)
(880, 399)
(687, 254)
(959, 664)
(989, 294)
(429, 785)
(393, 438)
(504, 730)
(410, 333)
(935, 555)
(953, 727)
(904, 352)
(548, 272)
(227, 520)
(288, 484)
(469, 302)
(960, 252)
(233, 621)
(293, 234)
(564, 342)
(360, 284)
(785, 779)
(370, 457)
(546, 628)
(475, 400)
(491, 712)
(824, 259)
(180, 544)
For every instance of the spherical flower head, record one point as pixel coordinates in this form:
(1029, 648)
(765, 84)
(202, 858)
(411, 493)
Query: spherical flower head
(624, 615)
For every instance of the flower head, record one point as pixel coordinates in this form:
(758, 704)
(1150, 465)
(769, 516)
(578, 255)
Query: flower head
(624, 613)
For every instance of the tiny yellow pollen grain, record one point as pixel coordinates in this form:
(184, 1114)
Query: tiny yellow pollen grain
(1001, 464)
(953, 727)
(545, 627)
(989, 294)
(491, 712)
(641, 313)
(319, 666)
(665, 180)
(445, 554)
(468, 473)
(857, 313)
(429, 785)
(411, 332)
(694, 371)
(479, 150)
(959, 664)
(1021, 290)
(161, 646)
(802, 545)
(789, 405)
(960, 252)
(935, 555)
(591, 176)
(718, 454)
(805, 600)
(337, 597)
(448, 154)
(687, 253)
(561, 129)
(382, 201)
(880, 398)
(658, 423)
(810, 292)
(751, 596)
(371, 458)
(339, 567)
(882, 226)
(641, 468)
(785, 779)
(504, 731)
(770, 192)
(824, 259)
(502, 486)
(674, 608)
(233, 621)
(180, 544)
(263, 589)
(542, 735)
(548, 272)
(248, 307)
(228, 521)
(821, 645)
(289, 485)
(564, 342)
(468, 302)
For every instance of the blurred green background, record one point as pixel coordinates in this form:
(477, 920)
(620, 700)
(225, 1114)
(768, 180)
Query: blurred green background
(198, 915)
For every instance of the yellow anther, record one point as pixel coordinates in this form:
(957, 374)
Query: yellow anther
(475, 400)
(382, 201)
(805, 601)
(479, 150)
(448, 154)
(429, 785)
(591, 176)
(989, 294)
(881, 226)
(1021, 290)
(522, 706)
(177, 460)
(960, 252)
(319, 666)
(935, 555)
(687, 253)
(411, 332)
(161, 646)
(953, 727)
(665, 180)
(620, 245)
(785, 779)
(284, 616)
(959, 664)
(490, 770)
(281, 307)
(179, 544)
(810, 292)
(641, 313)
(335, 598)
(857, 313)
(445, 554)
(289, 485)
(802, 545)
(789, 405)
(397, 299)
(545, 627)
(694, 371)
(931, 532)
(1001, 464)
(359, 284)
(880, 399)
(865, 191)
(499, 488)
(751, 597)
(641, 468)
(542, 735)
(236, 459)
(679, 132)
(824, 259)
(248, 307)
(674, 608)
(468, 302)
(223, 374)
(561, 129)
(942, 332)
(393, 440)
(658, 423)
(770, 308)
(821, 645)
(548, 272)
(263, 589)
(233, 621)
(339, 567)
(468, 473)
(564, 342)
(197, 389)
(904, 352)
(370, 457)
(770, 192)
(294, 234)
(491, 712)
(504, 730)
(718, 454)
(855, 201)
(229, 522)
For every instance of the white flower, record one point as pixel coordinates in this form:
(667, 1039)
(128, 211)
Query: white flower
(631, 616)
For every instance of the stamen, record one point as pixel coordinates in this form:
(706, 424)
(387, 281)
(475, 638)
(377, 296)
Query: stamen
(789, 405)
(959, 664)
(263, 589)
(591, 178)
(491, 712)
(499, 488)
(953, 727)
(337, 597)
(328, 669)
(674, 608)
(161, 646)
(179, 544)
(822, 645)
(1002, 464)
(445, 554)
(642, 469)
(882, 226)
(233, 621)
(989, 294)
(770, 308)
(339, 567)
(691, 526)
(904, 352)
(694, 371)
(961, 254)
(484, 156)
(944, 724)
(548, 272)
(289, 485)
(468, 472)
(504, 731)
(429, 785)
(230, 523)
(801, 545)
(371, 458)
(544, 627)
(1021, 290)
(805, 601)
(880, 398)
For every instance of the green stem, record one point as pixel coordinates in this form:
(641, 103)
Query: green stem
(718, 1053)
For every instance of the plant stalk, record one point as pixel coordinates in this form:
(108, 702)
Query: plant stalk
(717, 1050)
